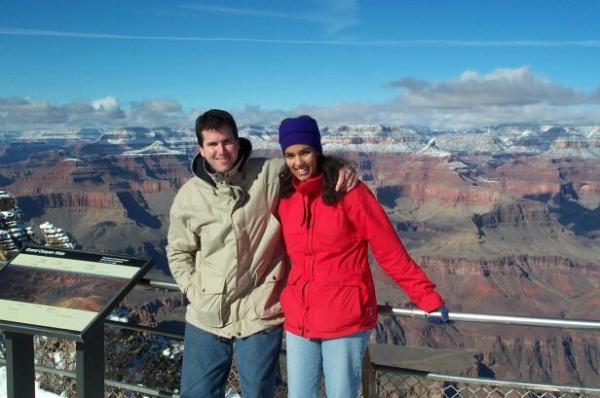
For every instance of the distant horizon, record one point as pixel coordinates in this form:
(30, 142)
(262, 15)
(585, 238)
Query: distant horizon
(440, 65)
(273, 126)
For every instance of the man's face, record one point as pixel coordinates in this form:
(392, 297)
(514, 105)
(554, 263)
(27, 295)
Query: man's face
(220, 148)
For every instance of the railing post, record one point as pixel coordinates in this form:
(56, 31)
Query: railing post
(89, 362)
(368, 379)
(20, 372)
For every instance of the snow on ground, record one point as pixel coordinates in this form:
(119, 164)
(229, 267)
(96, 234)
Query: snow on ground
(232, 394)
(38, 392)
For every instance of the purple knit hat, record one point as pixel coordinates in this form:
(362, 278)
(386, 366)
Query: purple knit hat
(300, 130)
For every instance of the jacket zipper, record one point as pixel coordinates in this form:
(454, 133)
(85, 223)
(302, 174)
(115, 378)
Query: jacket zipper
(310, 255)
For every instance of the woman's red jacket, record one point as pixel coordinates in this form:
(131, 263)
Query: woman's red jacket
(330, 290)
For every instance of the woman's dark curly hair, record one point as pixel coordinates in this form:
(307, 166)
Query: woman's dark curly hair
(329, 167)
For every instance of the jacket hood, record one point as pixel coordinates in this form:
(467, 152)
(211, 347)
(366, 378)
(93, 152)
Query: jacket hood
(200, 167)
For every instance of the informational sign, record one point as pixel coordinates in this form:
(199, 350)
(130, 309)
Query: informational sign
(62, 290)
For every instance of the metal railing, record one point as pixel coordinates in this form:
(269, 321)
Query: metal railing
(394, 383)
(380, 380)
(500, 319)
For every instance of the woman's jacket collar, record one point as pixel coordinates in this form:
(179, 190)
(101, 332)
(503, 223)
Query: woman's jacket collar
(311, 187)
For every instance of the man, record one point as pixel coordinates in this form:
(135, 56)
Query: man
(226, 255)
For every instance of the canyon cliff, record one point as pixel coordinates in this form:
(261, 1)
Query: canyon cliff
(502, 233)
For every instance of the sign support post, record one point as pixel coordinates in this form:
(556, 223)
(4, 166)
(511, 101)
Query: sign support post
(67, 294)
(20, 374)
(89, 362)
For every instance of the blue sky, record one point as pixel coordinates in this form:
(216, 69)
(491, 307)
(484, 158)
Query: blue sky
(443, 64)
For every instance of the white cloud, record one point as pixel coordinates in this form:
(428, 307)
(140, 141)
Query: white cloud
(157, 112)
(245, 12)
(156, 106)
(331, 23)
(471, 99)
(18, 111)
(501, 87)
(105, 104)
(253, 114)
(25, 112)
(332, 16)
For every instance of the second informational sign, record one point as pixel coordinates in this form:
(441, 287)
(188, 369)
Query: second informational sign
(64, 291)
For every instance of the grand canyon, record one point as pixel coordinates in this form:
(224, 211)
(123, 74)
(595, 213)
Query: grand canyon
(505, 220)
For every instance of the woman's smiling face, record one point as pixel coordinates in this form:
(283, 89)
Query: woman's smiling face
(301, 159)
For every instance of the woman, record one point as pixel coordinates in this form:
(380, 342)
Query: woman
(329, 300)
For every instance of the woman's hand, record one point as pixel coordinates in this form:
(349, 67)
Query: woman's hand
(441, 319)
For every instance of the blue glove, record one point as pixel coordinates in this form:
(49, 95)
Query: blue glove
(441, 319)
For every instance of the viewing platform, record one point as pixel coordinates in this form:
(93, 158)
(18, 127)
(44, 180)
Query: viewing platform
(390, 371)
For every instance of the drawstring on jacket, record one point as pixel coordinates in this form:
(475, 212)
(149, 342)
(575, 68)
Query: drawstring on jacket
(308, 190)
(305, 211)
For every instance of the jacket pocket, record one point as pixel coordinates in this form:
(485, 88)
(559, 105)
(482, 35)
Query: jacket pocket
(207, 299)
(266, 295)
(334, 308)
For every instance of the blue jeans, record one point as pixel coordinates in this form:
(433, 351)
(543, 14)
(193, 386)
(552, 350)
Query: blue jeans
(207, 361)
(340, 358)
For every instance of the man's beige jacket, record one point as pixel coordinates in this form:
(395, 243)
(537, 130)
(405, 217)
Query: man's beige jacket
(224, 246)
